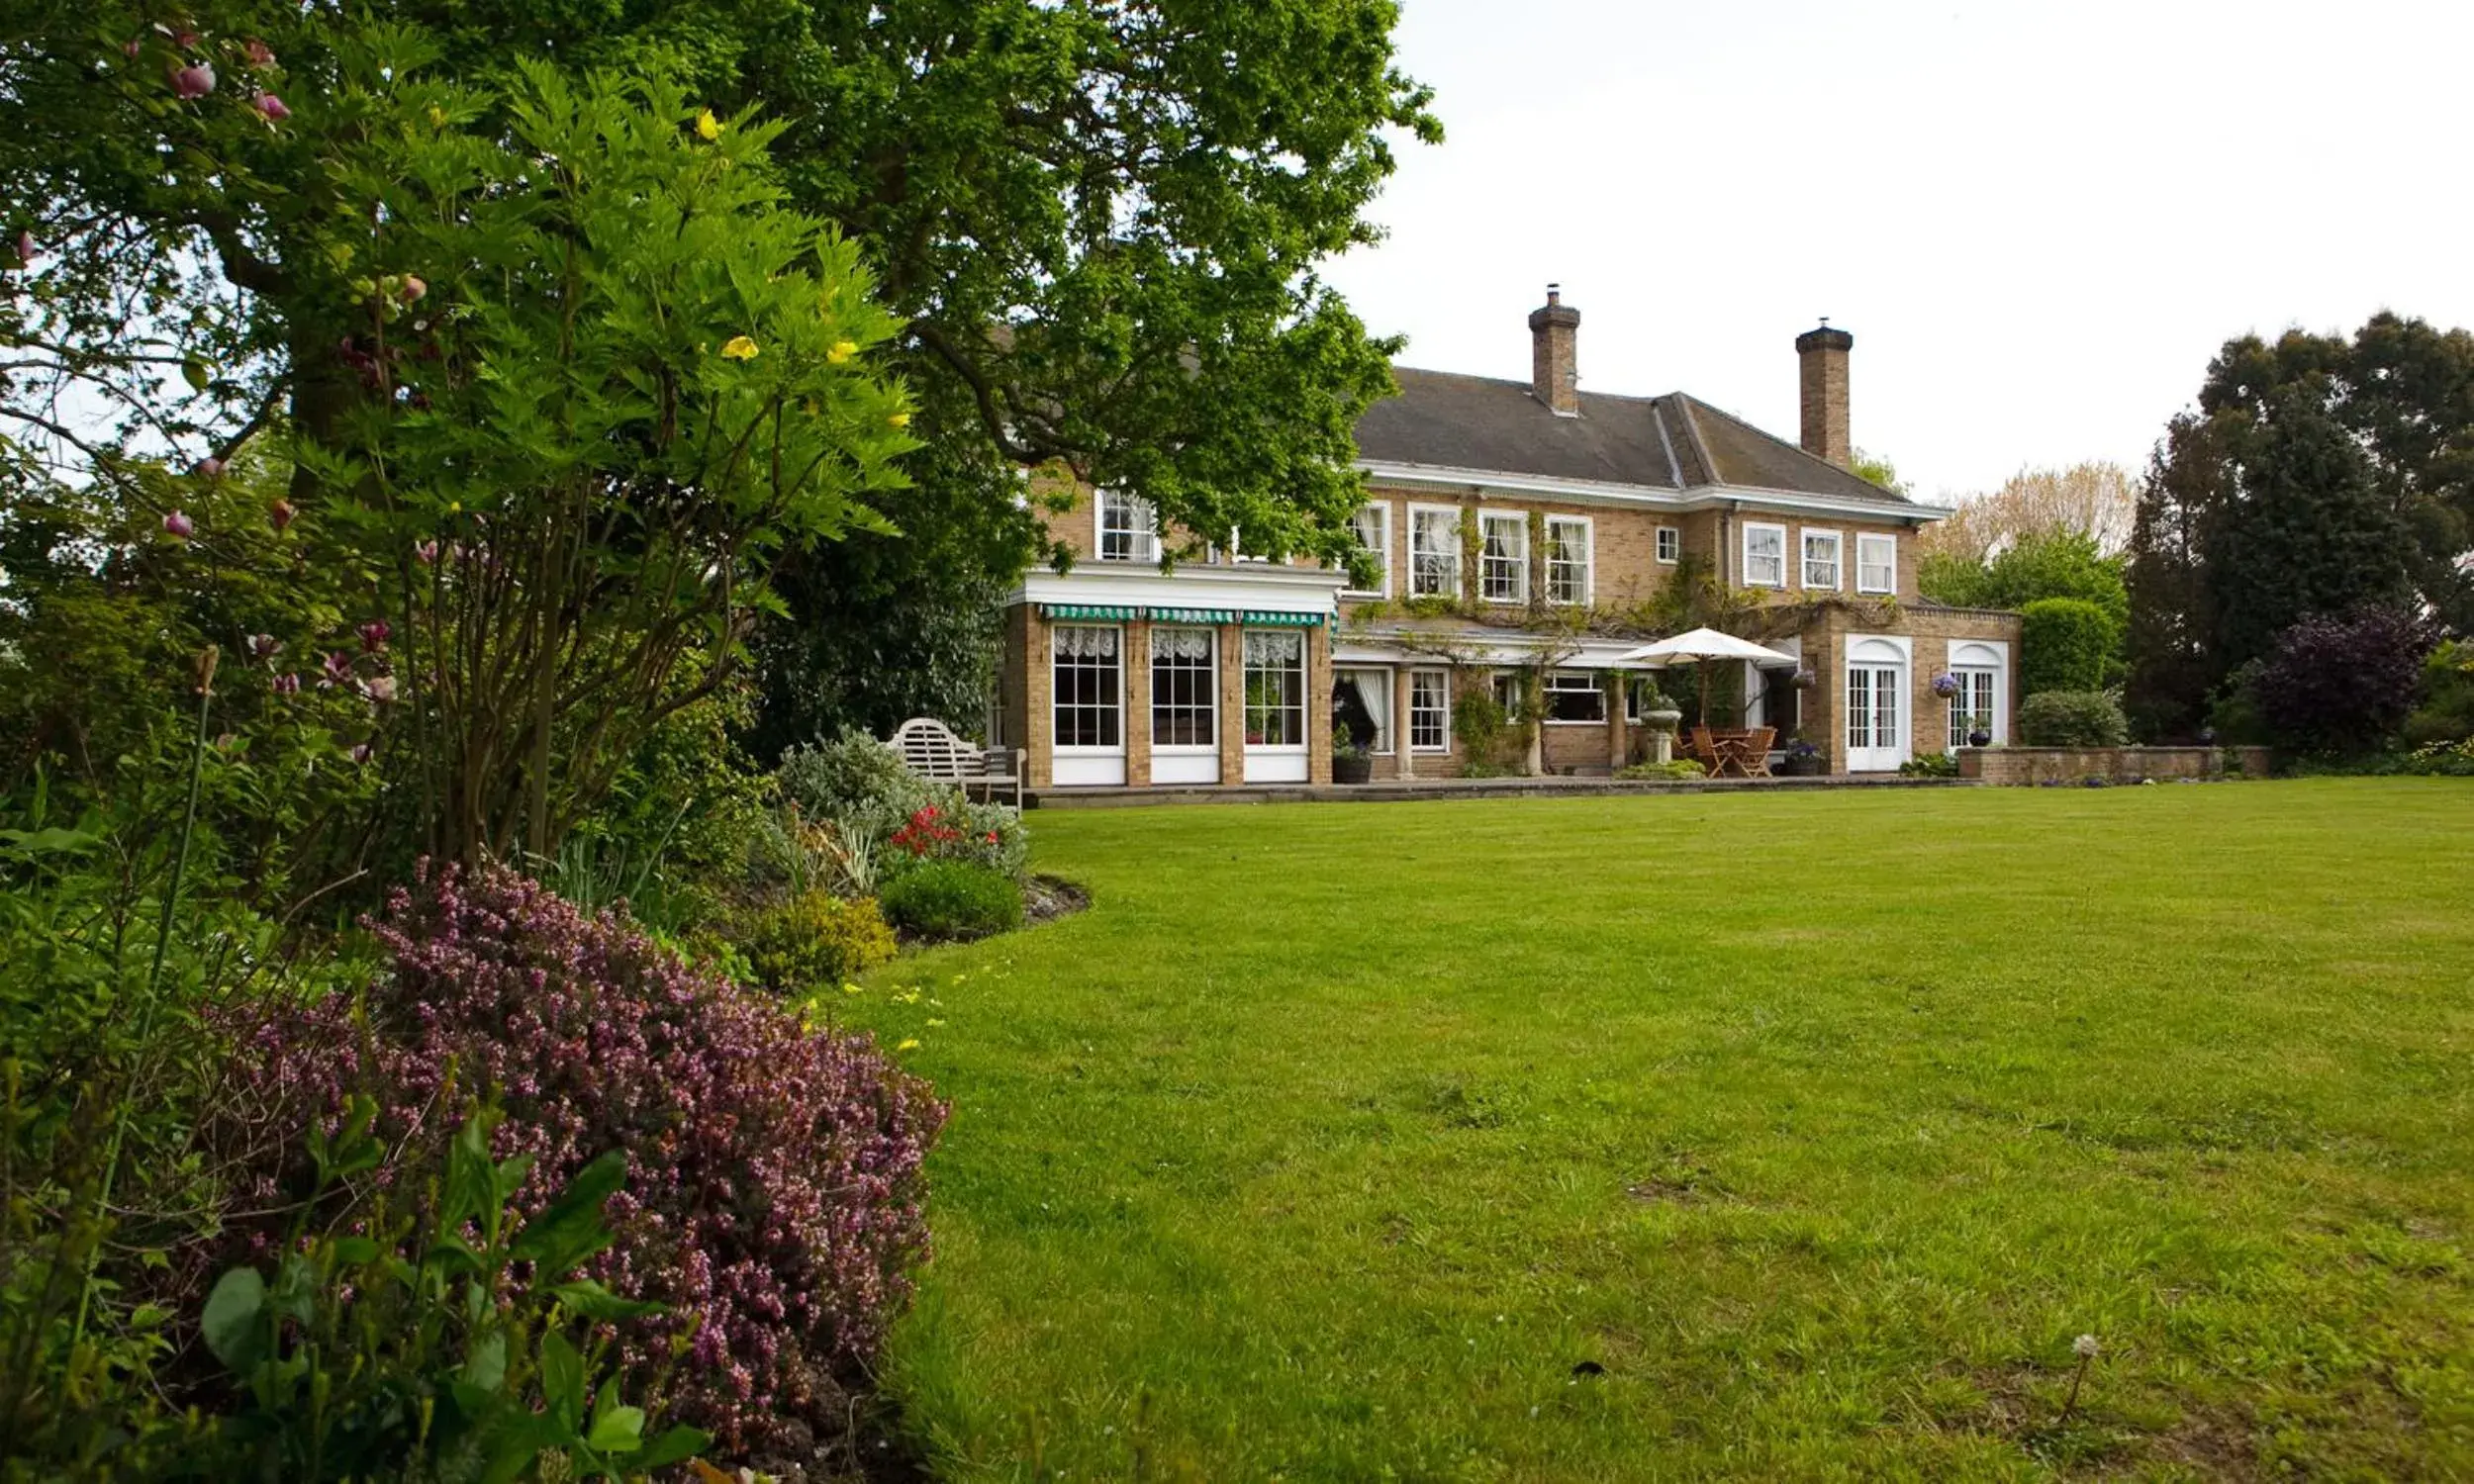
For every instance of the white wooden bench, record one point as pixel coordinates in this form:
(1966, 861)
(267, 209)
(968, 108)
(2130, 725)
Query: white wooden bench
(932, 750)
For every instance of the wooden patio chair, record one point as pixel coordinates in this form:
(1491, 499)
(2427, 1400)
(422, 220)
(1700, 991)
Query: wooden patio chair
(1704, 750)
(1754, 754)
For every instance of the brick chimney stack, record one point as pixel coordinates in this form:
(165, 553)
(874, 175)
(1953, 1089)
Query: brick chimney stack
(1554, 372)
(1822, 353)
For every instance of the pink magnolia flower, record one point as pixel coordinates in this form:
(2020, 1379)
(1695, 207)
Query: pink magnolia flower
(426, 553)
(184, 39)
(271, 108)
(260, 54)
(132, 47)
(380, 688)
(24, 247)
(338, 667)
(413, 289)
(359, 753)
(264, 646)
(281, 513)
(287, 685)
(195, 80)
(208, 467)
(374, 634)
(179, 525)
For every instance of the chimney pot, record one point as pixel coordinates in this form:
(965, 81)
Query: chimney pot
(1823, 354)
(1553, 370)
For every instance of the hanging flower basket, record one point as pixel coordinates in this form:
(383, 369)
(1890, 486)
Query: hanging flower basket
(1945, 684)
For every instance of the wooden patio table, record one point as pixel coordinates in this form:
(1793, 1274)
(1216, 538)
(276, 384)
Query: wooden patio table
(1742, 753)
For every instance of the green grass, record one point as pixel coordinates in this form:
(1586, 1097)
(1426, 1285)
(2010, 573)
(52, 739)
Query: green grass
(1332, 1137)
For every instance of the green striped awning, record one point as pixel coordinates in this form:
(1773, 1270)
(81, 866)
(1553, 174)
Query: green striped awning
(1086, 610)
(1284, 620)
(1193, 615)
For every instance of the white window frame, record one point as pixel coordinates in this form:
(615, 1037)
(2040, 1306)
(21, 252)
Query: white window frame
(1982, 656)
(1489, 564)
(1450, 555)
(1669, 545)
(1561, 679)
(1780, 531)
(1140, 527)
(1070, 752)
(1442, 676)
(1587, 563)
(1837, 580)
(1298, 707)
(1382, 548)
(1208, 710)
(1865, 538)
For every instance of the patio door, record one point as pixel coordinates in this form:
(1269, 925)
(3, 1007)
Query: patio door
(1877, 708)
(1276, 746)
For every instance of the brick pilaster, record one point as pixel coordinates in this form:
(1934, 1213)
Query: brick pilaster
(1138, 703)
(1232, 704)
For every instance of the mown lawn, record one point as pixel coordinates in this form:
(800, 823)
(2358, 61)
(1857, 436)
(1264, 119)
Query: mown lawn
(1332, 1139)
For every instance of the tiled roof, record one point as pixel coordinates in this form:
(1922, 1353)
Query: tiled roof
(1672, 443)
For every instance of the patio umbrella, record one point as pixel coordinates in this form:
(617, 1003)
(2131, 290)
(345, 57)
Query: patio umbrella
(1702, 645)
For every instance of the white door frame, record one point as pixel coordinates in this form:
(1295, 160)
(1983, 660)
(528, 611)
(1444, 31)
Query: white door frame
(1185, 763)
(1878, 657)
(1087, 767)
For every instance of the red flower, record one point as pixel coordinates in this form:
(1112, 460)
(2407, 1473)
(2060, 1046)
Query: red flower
(991, 837)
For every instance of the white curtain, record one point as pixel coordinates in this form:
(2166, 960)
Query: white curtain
(1082, 642)
(1271, 650)
(1373, 689)
(1182, 643)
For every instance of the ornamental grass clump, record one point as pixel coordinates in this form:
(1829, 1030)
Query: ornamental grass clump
(774, 1207)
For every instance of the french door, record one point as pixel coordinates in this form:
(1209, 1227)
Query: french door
(1876, 717)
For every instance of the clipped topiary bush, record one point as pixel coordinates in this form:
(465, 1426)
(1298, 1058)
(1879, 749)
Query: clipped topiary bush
(953, 899)
(2067, 644)
(2072, 718)
(774, 1207)
(813, 941)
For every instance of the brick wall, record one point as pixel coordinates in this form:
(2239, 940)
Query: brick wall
(2017, 765)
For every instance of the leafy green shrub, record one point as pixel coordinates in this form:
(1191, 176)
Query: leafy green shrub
(815, 940)
(861, 788)
(953, 899)
(2067, 644)
(2446, 709)
(2442, 759)
(1489, 739)
(1929, 765)
(1678, 768)
(403, 1343)
(2072, 718)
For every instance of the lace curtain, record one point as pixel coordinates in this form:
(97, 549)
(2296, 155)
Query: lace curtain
(1077, 642)
(1266, 651)
(1192, 644)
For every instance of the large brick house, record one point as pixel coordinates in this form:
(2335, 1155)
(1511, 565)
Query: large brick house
(1526, 535)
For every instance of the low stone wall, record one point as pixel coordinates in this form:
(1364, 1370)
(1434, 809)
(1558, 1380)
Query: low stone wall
(2115, 764)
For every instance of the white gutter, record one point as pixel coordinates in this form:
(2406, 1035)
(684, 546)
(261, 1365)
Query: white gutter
(1483, 482)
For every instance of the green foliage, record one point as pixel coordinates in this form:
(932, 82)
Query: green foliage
(855, 779)
(1878, 469)
(2319, 475)
(2067, 644)
(1929, 765)
(2039, 565)
(432, 1334)
(1492, 743)
(2072, 718)
(2445, 711)
(952, 900)
(1674, 768)
(813, 941)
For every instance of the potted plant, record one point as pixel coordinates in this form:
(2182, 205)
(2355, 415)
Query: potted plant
(1802, 760)
(1351, 762)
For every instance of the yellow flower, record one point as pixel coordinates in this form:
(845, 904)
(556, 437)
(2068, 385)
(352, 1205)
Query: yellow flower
(900, 419)
(438, 117)
(850, 988)
(739, 348)
(842, 350)
(909, 1042)
(708, 127)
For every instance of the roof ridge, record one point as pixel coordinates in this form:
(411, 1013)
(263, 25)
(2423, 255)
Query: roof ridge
(1798, 449)
(1700, 446)
(1507, 381)
(1658, 416)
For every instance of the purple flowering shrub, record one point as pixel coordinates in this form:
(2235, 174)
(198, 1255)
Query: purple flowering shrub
(775, 1200)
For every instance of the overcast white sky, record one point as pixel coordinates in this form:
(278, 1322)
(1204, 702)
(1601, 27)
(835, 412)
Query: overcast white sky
(2038, 220)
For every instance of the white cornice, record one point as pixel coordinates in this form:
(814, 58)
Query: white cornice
(1267, 587)
(1487, 482)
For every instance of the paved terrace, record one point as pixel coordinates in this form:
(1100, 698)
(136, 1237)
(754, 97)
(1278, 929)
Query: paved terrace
(1385, 791)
